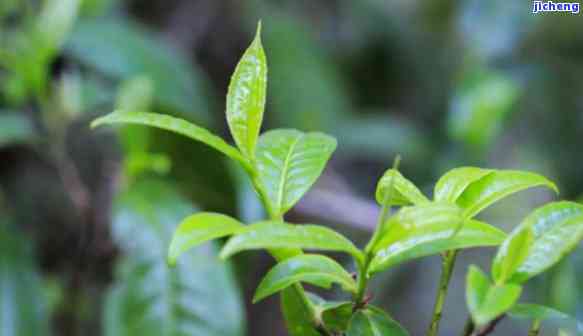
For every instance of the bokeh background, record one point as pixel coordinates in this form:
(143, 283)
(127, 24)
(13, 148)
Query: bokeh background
(86, 215)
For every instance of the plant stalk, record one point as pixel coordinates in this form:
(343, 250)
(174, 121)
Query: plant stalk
(469, 327)
(447, 266)
(534, 328)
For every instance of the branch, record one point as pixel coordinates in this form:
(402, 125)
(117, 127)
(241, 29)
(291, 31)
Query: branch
(488, 328)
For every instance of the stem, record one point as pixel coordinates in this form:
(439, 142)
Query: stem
(490, 326)
(534, 328)
(446, 270)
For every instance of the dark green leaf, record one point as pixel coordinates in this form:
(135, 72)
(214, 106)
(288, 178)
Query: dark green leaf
(271, 234)
(151, 299)
(497, 185)
(297, 316)
(337, 316)
(246, 97)
(200, 228)
(172, 124)
(453, 183)
(394, 189)
(557, 228)
(317, 270)
(373, 321)
(485, 300)
(123, 50)
(289, 162)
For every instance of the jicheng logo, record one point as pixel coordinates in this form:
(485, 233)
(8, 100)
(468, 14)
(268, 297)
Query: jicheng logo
(549, 6)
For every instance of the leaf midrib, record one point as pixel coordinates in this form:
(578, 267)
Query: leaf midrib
(284, 172)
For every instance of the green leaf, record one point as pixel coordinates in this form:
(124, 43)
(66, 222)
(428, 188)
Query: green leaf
(172, 124)
(512, 253)
(557, 229)
(497, 185)
(373, 321)
(531, 311)
(272, 234)
(200, 228)
(150, 299)
(297, 316)
(246, 97)
(317, 270)
(135, 94)
(453, 183)
(121, 49)
(402, 244)
(394, 189)
(289, 162)
(336, 316)
(23, 305)
(485, 300)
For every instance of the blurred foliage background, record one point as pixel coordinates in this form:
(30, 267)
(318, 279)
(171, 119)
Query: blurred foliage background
(86, 216)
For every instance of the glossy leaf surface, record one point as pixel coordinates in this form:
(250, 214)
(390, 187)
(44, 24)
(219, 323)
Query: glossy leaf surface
(200, 228)
(298, 320)
(485, 300)
(276, 235)
(401, 244)
(557, 229)
(289, 162)
(172, 124)
(453, 183)
(317, 270)
(394, 189)
(373, 321)
(149, 298)
(497, 185)
(246, 97)
(512, 253)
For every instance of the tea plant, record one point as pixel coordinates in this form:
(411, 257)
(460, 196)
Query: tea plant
(283, 164)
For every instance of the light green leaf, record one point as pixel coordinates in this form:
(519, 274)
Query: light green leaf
(336, 316)
(453, 183)
(246, 97)
(497, 185)
(373, 321)
(317, 270)
(557, 228)
(512, 253)
(402, 244)
(200, 228)
(289, 162)
(394, 189)
(531, 311)
(272, 234)
(298, 319)
(485, 300)
(172, 124)
(149, 298)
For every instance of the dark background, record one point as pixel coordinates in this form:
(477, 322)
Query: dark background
(85, 216)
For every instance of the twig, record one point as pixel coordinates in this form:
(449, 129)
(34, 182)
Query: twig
(534, 328)
(448, 264)
(488, 328)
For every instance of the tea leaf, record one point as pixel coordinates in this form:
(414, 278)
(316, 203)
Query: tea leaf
(497, 185)
(557, 228)
(394, 189)
(512, 253)
(374, 322)
(172, 124)
(485, 300)
(246, 97)
(317, 270)
(275, 235)
(336, 316)
(453, 183)
(199, 228)
(297, 316)
(289, 162)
